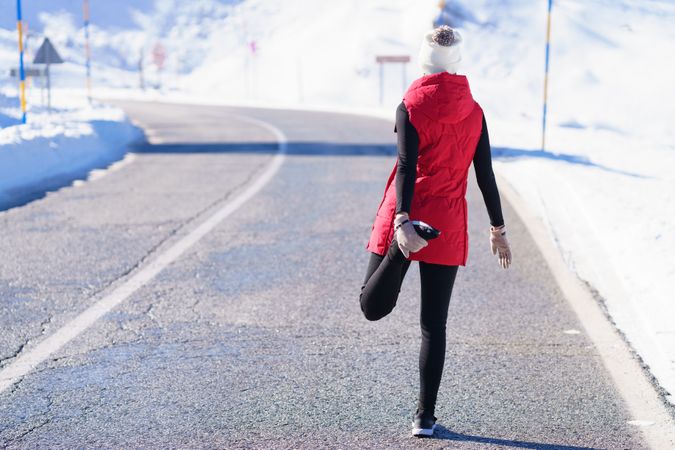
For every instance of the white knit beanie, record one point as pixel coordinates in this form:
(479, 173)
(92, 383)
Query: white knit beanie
(440, 50)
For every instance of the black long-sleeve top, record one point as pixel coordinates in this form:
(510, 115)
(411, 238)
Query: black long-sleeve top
(406, 172)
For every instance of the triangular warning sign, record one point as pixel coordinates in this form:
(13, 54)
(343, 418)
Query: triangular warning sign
(47, 54)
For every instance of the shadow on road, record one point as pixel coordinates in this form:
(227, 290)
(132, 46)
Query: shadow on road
(444, 433)
(23, 195)
(293, 148)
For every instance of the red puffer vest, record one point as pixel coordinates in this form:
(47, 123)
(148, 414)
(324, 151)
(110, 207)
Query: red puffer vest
(448, 121)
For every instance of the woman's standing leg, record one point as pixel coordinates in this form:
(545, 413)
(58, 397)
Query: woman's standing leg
(437, 282)
(382, 284)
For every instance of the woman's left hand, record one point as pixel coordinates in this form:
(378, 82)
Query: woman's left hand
(499, 244)
(406, 236)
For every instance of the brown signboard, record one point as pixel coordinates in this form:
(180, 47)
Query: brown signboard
(393, 59)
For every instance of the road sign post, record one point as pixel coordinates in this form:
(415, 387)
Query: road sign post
(141, 78)
(47, 55)
(252, 69)
(22, 75)
(159, 56)
(381, 83)
(382, 60)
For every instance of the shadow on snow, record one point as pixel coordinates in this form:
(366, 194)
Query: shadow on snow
(508, 154)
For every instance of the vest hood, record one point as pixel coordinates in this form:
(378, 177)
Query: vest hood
(441, 97)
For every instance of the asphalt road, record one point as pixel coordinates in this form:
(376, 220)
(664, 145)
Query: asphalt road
(254, 338)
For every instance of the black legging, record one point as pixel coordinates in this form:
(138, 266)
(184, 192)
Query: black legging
(378, 297)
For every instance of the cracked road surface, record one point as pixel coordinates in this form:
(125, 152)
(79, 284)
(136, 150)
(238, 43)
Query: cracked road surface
(253, 338)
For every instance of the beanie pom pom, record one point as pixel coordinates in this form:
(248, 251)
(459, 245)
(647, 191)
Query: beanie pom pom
(444, 36)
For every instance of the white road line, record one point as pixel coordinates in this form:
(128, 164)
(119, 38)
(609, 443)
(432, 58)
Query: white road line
(29, 359)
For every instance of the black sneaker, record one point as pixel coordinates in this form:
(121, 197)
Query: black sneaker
(423, 424)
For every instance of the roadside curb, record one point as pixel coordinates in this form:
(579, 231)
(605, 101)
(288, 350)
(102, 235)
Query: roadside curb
(632, 380)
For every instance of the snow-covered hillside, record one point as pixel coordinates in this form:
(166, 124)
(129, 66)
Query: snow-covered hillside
(604, 183)
(122, 33)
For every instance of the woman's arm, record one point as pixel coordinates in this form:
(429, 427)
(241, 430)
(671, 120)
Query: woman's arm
(482, 164)
(406, 171)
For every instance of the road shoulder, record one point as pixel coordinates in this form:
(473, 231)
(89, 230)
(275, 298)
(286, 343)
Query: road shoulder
(637, 387)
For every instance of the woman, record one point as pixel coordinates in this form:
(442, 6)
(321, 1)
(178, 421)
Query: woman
(441, 130)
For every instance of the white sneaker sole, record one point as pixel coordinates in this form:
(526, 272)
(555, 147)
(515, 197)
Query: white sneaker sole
(423, 431)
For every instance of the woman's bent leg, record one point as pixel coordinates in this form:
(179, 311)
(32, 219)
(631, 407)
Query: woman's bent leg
(437, 282)
(382, 284)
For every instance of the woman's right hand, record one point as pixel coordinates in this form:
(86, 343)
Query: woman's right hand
(406, 236)
(499, 244)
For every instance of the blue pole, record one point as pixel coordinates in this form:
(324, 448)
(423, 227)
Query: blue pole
(548, 45)
(22, 73)
(87, 46)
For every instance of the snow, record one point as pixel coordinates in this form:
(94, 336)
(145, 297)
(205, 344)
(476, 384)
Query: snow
(604, 184)
(52, 150)
(312, 52)
(57, 148)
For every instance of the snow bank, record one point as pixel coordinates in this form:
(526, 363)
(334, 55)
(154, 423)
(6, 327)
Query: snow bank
(51, 151)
